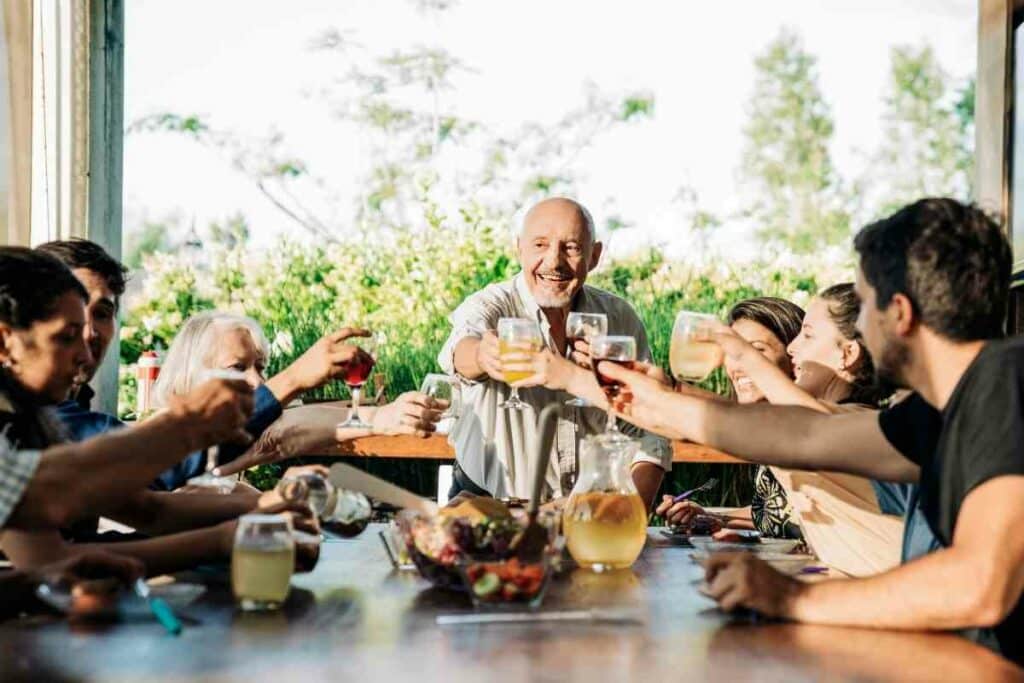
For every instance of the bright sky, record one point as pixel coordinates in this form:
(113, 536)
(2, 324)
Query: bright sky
(247, 66)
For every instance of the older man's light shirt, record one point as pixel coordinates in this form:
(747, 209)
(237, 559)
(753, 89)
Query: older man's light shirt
(503, 465)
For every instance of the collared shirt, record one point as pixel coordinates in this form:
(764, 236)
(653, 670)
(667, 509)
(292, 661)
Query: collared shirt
(83, 423)
(492, 444)
(17, 467)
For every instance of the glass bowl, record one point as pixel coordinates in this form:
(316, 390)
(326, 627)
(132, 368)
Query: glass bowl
(505, 583)
(438, 545)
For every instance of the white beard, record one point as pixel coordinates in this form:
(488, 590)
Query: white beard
(546, 300)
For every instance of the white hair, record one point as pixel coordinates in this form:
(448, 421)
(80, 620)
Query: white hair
(588, 220)
(192, 351)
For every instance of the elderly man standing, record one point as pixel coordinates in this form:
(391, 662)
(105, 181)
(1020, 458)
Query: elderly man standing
(557, 249)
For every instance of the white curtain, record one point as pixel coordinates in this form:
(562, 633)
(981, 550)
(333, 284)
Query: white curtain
(16, 122)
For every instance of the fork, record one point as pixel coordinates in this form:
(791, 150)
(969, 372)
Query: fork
(706, 486)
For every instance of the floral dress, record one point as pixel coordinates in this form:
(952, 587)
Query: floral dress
(770, 508)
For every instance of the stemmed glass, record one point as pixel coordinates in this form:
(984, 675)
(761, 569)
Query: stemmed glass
(443, 387)
(583, 327)
(693, 353)
(208, 479)
(358, 372)
(516, 337)
(621, 351)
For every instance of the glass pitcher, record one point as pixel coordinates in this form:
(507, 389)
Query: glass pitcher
(605, 522)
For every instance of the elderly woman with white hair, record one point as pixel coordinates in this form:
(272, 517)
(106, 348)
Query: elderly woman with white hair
(225, 341)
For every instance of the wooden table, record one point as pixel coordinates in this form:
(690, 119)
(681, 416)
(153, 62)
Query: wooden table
(437, 448)
(354, 619)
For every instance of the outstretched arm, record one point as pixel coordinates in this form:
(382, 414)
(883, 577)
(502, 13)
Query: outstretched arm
(75, 480)
(785, 436)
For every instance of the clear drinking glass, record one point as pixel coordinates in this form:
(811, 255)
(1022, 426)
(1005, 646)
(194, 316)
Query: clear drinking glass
(208, 479)
(359, 370)
(262, 561)
(517, 336)
(693, 353)
(309, 488)
(583, 327)
(445, 388)
(621, 351)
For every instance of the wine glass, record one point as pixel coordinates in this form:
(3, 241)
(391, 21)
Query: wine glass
(262, 561)
(208, 479)
(621, 351)
(693, 353)
(356, 374)
(444, 388)
(583, 327)
(517, 336)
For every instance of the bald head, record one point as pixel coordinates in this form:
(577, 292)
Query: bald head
(557, 249)
(560, 210)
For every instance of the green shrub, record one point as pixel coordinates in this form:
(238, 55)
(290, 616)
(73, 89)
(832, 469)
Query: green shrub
(404, 287)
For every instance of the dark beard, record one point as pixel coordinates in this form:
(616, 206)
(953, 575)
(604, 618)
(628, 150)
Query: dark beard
(889, 366)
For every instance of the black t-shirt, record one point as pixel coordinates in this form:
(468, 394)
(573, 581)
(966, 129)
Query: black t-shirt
(979, 436)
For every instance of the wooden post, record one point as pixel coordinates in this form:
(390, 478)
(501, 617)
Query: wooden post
(106, 132)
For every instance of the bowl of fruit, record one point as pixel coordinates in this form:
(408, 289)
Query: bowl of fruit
(476, 530)
(505, 583)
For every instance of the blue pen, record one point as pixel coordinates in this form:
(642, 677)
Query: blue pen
(161, 610)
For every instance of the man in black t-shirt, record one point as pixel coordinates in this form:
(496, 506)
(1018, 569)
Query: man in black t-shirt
(933, 280)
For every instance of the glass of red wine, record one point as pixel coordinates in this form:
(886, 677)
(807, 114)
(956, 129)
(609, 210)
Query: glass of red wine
(356, 375)
(618, 350)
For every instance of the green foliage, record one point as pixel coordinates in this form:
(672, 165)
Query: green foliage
(405, 288)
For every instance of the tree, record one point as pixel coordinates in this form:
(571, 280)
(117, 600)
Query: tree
(400, 103)
(928, 132)
(793, 192)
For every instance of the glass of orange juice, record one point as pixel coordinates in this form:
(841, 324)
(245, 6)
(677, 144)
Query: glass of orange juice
(517, 338)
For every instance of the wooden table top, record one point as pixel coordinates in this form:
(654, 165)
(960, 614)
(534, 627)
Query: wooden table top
(436, 447)
(355, 619)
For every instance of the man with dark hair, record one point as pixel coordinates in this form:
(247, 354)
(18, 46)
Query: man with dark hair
(105, 278)
(933, 279)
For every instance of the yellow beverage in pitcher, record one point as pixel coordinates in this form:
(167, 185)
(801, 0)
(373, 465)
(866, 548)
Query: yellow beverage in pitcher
(512, 348)
(605, 530)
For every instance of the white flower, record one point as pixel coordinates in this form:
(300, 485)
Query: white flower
(283, 344)
(800, 297)
(150, 322)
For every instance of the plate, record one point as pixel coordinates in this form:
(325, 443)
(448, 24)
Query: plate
(177, 595)
(779, 546)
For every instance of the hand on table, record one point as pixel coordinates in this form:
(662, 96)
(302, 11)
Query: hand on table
(89, 565)
(678, 514)
(740, 580)
(411, 413)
